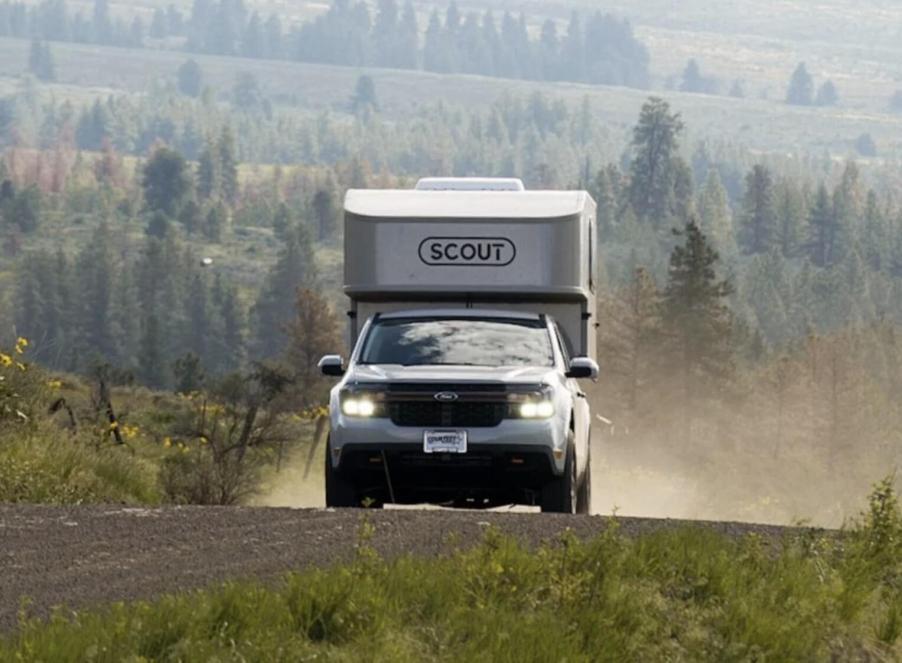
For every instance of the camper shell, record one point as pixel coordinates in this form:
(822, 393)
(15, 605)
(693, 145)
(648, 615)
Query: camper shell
(531, 251)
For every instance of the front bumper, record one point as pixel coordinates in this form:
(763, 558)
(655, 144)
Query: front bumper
(508, 463)
(546, 437)
(404, 474)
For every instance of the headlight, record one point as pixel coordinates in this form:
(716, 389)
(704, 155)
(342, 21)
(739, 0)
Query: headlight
(361, 404)
(537, 409)
(536, 404)
(358, 407)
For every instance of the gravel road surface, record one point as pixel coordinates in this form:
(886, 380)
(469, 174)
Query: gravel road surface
(83, 556)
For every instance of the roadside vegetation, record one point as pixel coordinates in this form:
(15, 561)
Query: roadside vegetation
(74, 440)
(689, 594)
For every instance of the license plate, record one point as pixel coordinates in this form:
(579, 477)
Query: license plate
(445, 441)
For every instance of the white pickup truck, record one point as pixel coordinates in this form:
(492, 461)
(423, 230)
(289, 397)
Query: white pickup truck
(478, 321)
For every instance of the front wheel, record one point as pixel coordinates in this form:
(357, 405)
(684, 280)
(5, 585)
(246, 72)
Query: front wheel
(339, 491)
(559, 494)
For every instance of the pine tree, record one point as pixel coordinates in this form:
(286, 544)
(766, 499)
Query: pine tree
(273, 310)
(272, 43)
(40, 61)
(385, 33)
(827, 94)
(151, 356)
(652, 170)
(166, 181)
(822, 229)
(282, 220)
(96, 274)
(158, 225)
(215, 223)
(228, 165)
(190, 78)
(692, 80)
(714, 211)
(314, 332)
(158, 25)
(209, 177)
(364, 101)
(801, 87)
(875, 239)
(763, 291)
(190, 217)
(436, 47)
(232, 320)
(103, 27)
(198, 316)
(189, 374)
(573, 50)
(758, 221)
(549, 47)
(127, 314)
(408, 38)
(252, 39)
(325, 214)
(698, 323)
(30, 304)
(25, 208)
(790, 209)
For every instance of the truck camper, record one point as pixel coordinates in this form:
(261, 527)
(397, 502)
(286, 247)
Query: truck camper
(472, 319)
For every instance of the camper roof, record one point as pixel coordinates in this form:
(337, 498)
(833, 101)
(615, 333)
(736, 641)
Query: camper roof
(405, 203)
(469, 184)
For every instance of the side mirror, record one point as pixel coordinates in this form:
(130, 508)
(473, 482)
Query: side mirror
(582, 367)
(332, 365)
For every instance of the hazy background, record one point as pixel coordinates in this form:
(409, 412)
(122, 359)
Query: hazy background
(140, 138)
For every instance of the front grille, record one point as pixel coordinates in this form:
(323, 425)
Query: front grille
(461, 413)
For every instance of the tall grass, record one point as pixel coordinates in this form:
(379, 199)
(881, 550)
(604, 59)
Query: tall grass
(684, 595)
(44, 465)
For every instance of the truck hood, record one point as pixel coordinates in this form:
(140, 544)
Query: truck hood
(395, 373)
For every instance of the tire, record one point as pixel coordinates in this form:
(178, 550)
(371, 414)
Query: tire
(340, 492)
(560, 495)
(584, 494)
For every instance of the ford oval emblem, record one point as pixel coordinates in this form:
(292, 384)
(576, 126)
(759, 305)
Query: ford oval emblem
(446, 396)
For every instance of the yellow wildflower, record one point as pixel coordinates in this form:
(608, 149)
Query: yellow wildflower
(5, 360)
(167, 442)
(22, 367)
(21, 344)
(114, 425)
(54, 384)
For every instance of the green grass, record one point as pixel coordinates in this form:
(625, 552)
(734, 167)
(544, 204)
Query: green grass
(47, 466)
(682, 595)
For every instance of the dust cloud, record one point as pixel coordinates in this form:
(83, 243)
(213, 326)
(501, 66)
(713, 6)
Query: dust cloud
(730, 484)
(630, 478)
(296, 484)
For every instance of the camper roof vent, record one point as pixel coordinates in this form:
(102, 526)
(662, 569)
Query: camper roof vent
(469, 184)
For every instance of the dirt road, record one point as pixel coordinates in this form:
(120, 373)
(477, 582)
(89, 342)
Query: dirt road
(83, 556)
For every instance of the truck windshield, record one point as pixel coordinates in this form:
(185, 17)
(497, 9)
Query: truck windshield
(458, 342)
